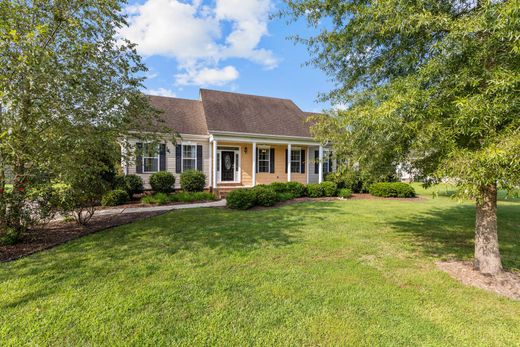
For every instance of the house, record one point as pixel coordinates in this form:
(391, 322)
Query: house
(237, 140)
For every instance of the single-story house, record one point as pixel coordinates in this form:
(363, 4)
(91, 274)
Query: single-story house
(237, 140)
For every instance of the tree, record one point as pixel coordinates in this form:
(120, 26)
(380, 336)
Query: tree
(431, 83)
(70, 87)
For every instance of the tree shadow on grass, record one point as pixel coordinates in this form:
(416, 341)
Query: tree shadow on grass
(448, 233)
(132, 252)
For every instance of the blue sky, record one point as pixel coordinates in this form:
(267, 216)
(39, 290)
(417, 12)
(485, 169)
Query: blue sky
(227, 45)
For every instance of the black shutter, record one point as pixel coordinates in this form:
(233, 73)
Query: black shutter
(316, 162)
(286, 160)
(178, 158)
(139, 158)
(330, 165)
(256, 164)
(162, 157)
(199, 157)
(302, 153)
(271, 160)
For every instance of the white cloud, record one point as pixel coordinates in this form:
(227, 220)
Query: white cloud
(208, 76)
(192, 33)
(161, 92)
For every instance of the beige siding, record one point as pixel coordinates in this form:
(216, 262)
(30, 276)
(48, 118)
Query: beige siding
(170, 159)
(279, 174)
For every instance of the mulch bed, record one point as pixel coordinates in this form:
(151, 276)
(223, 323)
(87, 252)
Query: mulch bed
(60, 232)
(505, 284)
(358, 196)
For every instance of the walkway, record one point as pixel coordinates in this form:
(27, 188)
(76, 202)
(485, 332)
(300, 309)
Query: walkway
(219, 203)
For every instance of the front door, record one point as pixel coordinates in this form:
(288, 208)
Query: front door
(227, 166)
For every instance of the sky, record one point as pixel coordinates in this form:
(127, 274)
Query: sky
(229, 45)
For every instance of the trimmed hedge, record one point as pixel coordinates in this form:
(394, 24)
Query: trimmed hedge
(329, 188)
(162, 182)
(115, 197)
(296, 189)
(345, 193)
(315, 190)
(392, 190)
(241, 199)
(193, 181)
(265, 196)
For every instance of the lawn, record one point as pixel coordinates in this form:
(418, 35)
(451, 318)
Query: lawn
(354, 272)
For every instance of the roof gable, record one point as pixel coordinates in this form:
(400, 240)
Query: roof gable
(232, 112)
(252, 114)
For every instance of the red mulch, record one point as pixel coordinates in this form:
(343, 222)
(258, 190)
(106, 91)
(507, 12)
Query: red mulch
(60, 232)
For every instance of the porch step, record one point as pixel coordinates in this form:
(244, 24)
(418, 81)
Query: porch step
(223, 189)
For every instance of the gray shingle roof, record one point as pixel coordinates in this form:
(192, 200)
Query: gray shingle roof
(182, 115)
(233, 112)
(253, 114)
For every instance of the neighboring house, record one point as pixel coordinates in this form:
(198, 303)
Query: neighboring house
(236, 140)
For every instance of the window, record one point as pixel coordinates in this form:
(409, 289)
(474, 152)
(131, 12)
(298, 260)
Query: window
(189, 157)
(327, 161)
(263, 160)
(296, 160)
(150, 156)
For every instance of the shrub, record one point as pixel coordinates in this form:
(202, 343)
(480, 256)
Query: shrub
(315, 190)
(284, 196)
(241, 199)
(345, 193)
(297, 189)
(392, 190)
(356, 181)
(192, 196)
(162, 182)
(193, 181)
(265, 196)
(133, 184)
(329, 188)
(114, 197)
(279, 187)
(156, 199)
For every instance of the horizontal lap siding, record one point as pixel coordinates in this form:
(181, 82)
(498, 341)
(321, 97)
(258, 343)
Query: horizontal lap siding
(279, 174)
(170, 161)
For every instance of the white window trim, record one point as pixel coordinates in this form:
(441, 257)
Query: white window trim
(268, 148)
(182, 155)
(299, 160)
(326, 162)
(158, 157)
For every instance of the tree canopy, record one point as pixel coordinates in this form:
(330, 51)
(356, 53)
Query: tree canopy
(433, 84)
(69, 88)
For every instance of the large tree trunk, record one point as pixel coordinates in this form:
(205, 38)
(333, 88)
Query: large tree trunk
(487, 254)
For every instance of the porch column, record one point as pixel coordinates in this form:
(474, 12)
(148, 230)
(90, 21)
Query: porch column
(289, 162)
(210, 166)
(320, 165)
(214, 164)
(254, 164)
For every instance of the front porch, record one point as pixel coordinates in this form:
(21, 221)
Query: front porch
(246, 162)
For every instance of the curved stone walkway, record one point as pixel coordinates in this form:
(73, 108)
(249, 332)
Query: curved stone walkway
(219, 203)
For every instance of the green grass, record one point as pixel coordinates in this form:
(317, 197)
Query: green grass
(351, 272)
(163, 198)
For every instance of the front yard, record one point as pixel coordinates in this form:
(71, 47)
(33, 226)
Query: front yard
(352, 272)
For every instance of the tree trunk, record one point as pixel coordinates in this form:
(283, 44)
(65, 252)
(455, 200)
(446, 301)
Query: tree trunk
(487, 254)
